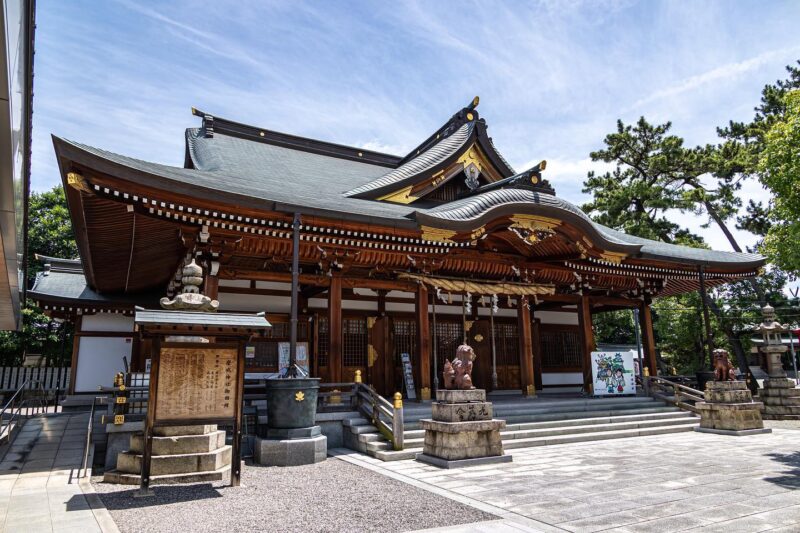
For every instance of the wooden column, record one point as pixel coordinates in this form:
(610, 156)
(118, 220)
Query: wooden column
(76, 348)
(211, 281)
(587, 341)
(525, 347)
(648, 337)
(423, 343)
(335, 336)
(537, 350)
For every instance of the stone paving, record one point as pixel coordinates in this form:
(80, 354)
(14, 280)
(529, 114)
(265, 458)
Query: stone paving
(39, 488)
(688, 481)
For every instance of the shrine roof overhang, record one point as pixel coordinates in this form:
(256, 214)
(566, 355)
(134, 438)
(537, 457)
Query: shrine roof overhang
(62, 288)
(273, 194)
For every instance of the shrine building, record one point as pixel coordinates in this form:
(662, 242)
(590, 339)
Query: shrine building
(400, 254)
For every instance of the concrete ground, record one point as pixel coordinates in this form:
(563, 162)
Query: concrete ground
(39, 487)
(678, 482)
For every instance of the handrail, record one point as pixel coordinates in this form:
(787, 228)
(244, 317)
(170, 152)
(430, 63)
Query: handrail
(25, 403)
(85, 460)
(377, 408)
(659, 389)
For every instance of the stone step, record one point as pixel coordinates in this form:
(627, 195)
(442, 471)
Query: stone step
(658, 415)
(176, 464)
(593, 428)
(375, 446)
(355, 422)
(392, 455)
(125, 478)
(180, 445)
(358, 430)
(603, 435)
(569, 410)
(571, 415)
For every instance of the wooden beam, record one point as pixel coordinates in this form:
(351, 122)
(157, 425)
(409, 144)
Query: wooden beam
(423, 343)
(615, 301)
(648, 337)
(525, 348)
(587, 341)
(335, 335)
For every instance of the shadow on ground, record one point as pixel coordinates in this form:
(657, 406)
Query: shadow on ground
(789, 479)
(162, 495)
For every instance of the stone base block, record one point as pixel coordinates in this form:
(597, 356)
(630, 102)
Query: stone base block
(734, 433)
(726, 385)
(779, 383)
(460, 412)
(462, 440)
(459, 463)
(203, 443)
(291, 452)
(460, 396)
(179, 431)
(729, 396)
(126, 478)
(730, 417)
(131, 463)
(296, 433)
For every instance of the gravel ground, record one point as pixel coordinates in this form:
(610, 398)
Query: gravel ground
(783, 424)
(328, 496)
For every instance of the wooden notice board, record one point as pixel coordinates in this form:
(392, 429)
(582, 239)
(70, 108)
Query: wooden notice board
(197, 382)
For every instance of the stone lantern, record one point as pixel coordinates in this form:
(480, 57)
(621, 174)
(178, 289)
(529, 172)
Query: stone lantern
(773, 348)
(780, 396)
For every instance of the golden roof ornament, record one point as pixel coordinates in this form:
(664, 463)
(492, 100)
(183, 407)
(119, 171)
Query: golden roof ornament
(190, 297)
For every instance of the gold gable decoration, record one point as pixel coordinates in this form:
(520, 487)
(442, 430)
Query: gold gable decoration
(437, 235)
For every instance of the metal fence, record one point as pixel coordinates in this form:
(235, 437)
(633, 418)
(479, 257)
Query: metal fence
(12, 377)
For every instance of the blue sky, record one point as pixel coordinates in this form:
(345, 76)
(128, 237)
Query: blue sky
(553, 76)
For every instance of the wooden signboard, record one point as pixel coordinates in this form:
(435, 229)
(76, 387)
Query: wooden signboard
(408, 376)
(197, 383)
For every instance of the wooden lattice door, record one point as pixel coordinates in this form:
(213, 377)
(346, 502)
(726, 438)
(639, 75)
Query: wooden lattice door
(354, 347)
(507, 348)
(480, 340)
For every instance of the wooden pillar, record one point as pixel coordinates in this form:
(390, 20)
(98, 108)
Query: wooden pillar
(587, 341)
(525, 347)
(211, 281)
(335, 336)
(537, 350)
(76, 348)
(423, 343)
(648, 337)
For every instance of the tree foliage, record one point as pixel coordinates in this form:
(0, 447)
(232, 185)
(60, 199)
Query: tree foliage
(779, 167)
(49, 233)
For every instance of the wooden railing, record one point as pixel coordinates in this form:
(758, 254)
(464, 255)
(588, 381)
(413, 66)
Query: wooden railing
(386, 416)
(674, 393)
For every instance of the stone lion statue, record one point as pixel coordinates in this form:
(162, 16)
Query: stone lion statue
(458, 373)
(723, 369)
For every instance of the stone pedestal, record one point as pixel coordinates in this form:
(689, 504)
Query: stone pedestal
(462, 431)
(291, 447)
(729, 409)
(180, 454)
(781, 399)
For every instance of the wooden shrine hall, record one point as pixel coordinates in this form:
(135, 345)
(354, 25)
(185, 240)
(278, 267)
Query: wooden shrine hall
(400, 254)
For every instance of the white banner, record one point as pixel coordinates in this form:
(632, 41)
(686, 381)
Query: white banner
(614, 373)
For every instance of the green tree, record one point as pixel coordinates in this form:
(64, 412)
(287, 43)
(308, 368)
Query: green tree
(49, 228)
(779, 169)
(655, 174)
(49, 233)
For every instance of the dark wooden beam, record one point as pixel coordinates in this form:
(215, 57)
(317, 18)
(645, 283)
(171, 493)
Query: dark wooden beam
(525, 348)
(335, 336)
(587, 341)
(648, 337)
(423, 343)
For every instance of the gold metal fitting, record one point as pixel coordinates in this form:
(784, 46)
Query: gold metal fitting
(646, 371)
(358, 376)
(398, 400)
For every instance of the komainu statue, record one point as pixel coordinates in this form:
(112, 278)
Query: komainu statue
(458, 374)
(723, 369)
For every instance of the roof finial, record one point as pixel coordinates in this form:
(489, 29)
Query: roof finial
(474, 104)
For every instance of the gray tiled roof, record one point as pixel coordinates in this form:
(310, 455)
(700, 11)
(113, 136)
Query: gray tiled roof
(276, 178)
(430, 158)
(198, 318)
(72, 285)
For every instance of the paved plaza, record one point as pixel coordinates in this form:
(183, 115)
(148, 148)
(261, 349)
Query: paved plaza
(39, 487)
(686, 481)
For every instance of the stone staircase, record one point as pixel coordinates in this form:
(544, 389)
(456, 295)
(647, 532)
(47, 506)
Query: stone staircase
(181, 454)
(539, 422)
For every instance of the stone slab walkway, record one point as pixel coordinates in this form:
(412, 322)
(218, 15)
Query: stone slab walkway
(39, 487)
(678, 482)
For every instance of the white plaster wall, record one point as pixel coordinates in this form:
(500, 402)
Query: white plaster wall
(99, 359)
(253, 303)
(557, 317)
(561, 378)
(106, 322)
(277, 285)
(241, 283)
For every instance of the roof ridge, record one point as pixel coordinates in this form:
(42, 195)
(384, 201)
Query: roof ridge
(462, 116)
(213, 124)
